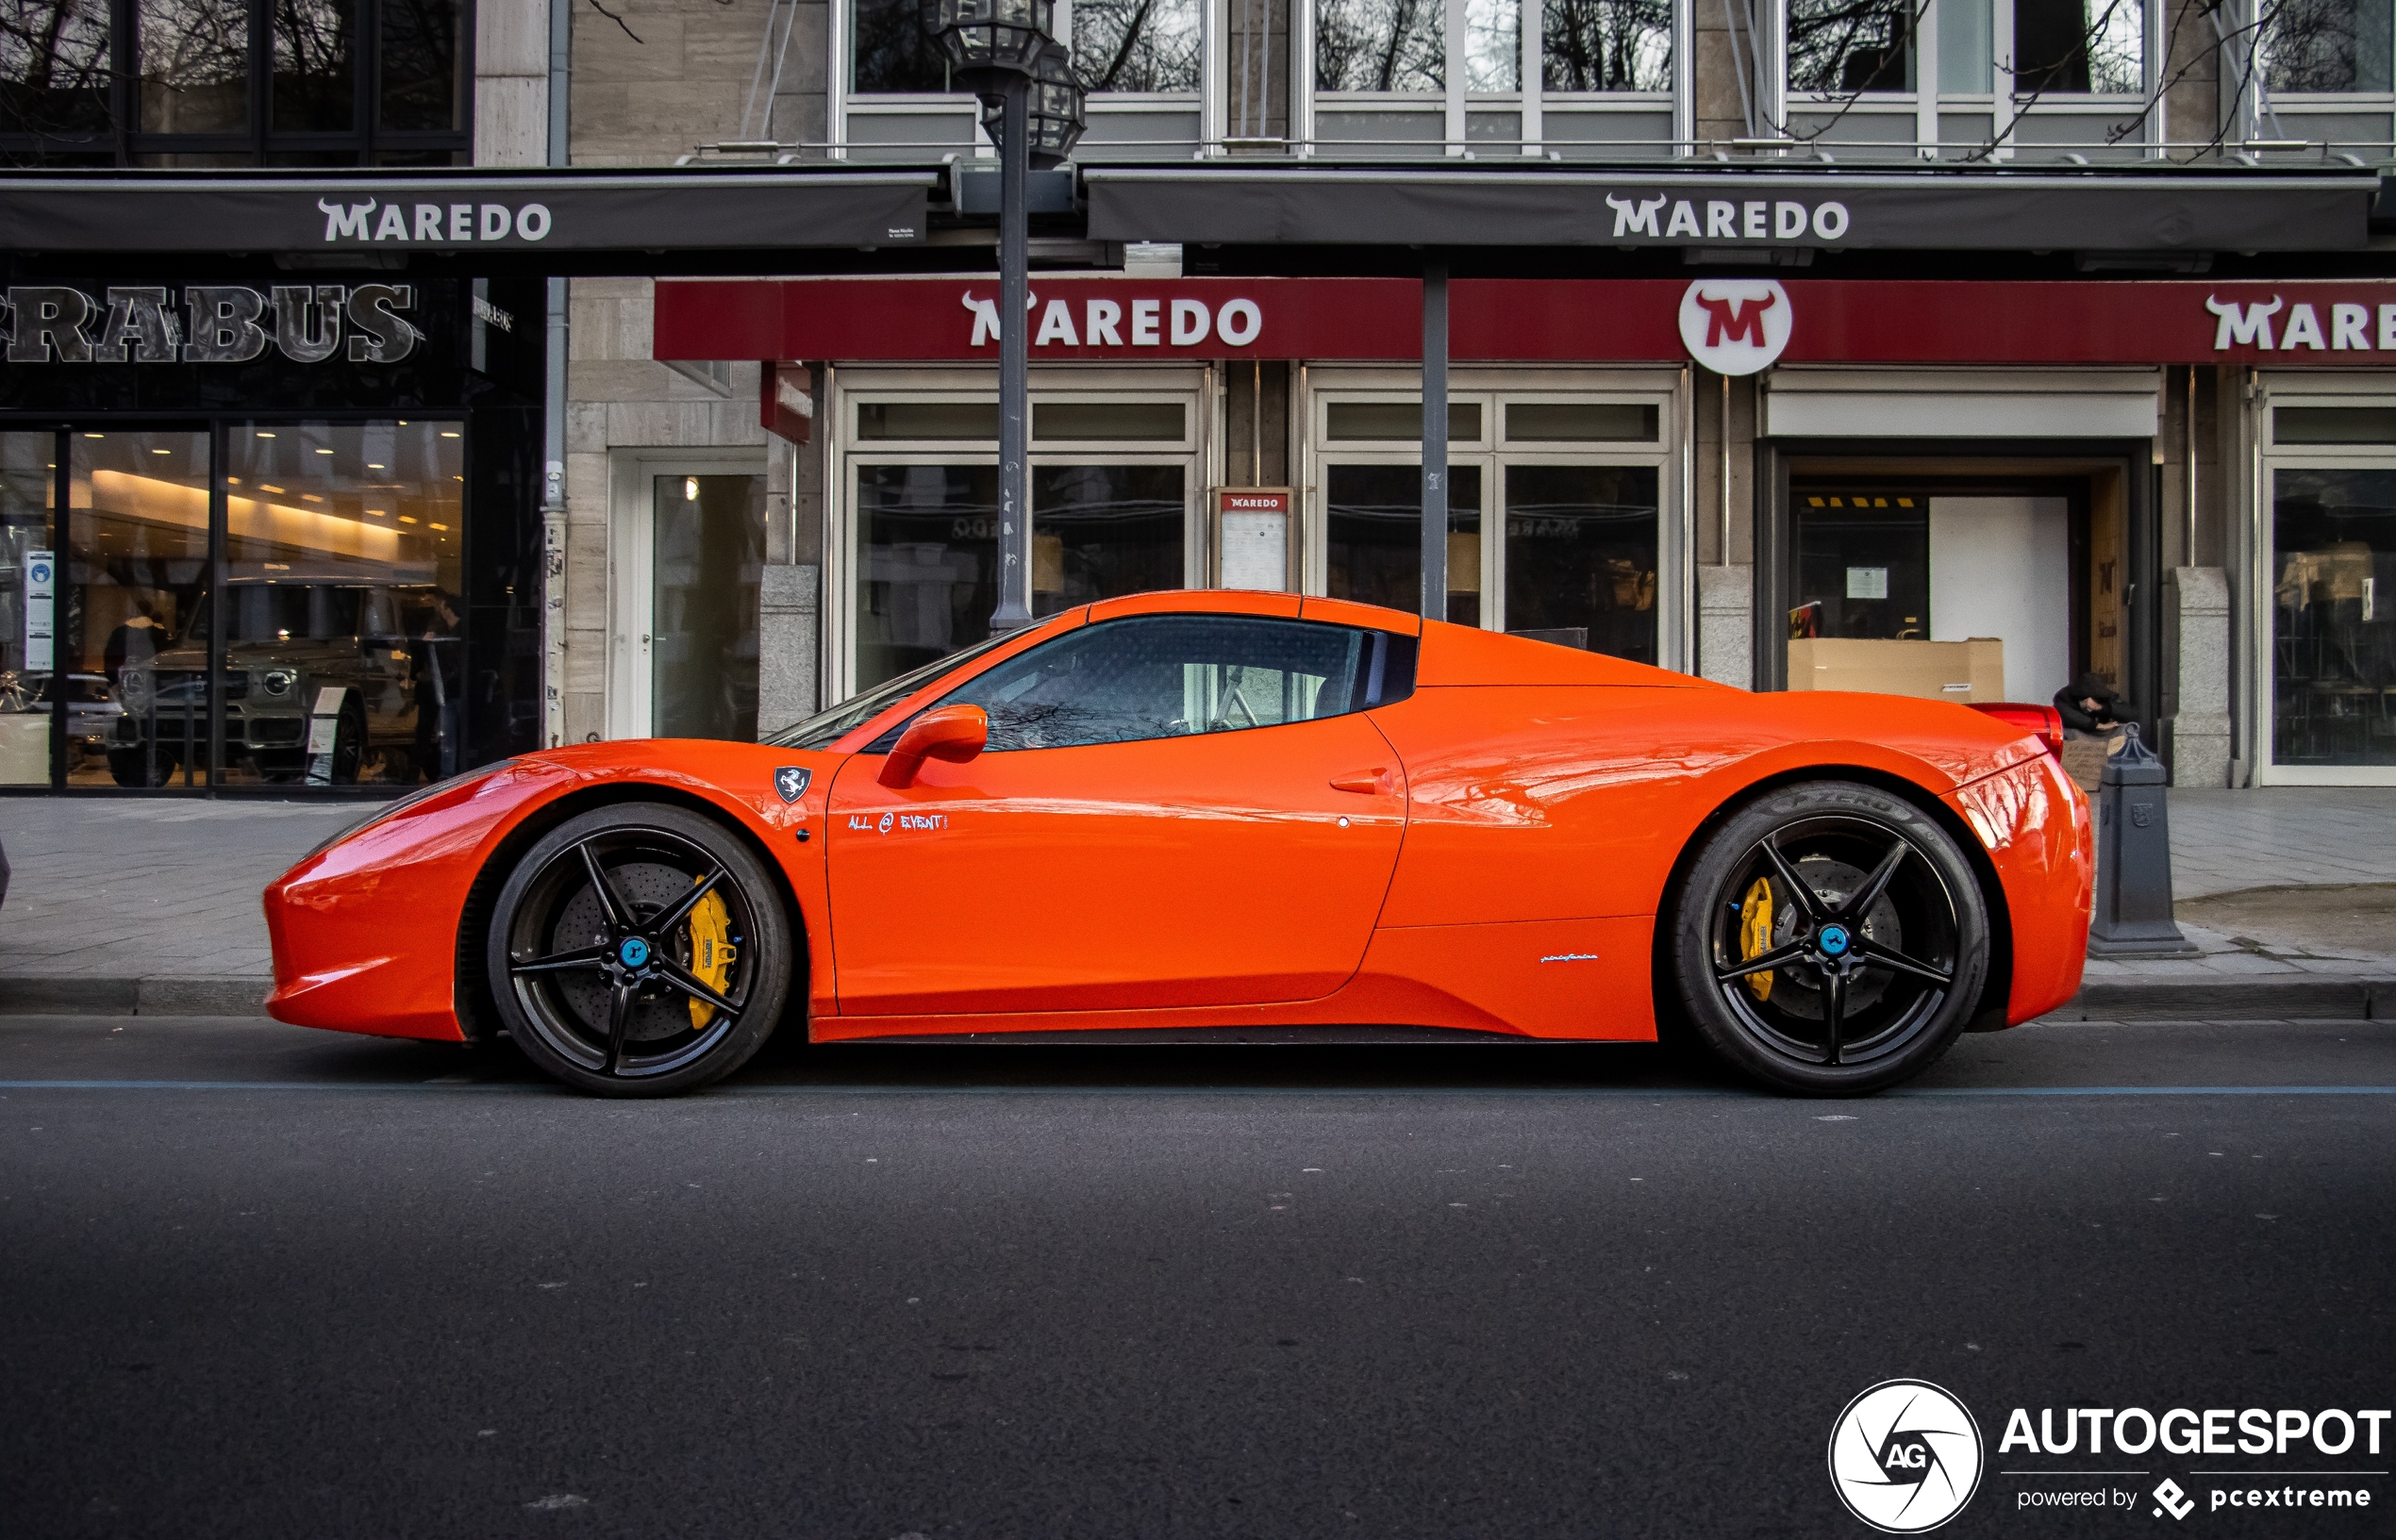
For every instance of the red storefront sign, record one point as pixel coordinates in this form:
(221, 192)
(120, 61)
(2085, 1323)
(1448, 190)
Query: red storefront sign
(1113, 319)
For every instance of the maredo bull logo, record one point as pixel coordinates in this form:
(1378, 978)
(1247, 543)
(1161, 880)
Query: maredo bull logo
(1736, 325)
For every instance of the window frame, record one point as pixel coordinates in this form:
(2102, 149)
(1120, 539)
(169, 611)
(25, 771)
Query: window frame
(2270, 456)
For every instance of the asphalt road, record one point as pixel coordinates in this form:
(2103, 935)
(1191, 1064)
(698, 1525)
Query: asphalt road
(258, 1281)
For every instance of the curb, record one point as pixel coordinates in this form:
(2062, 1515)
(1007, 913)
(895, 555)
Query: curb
(134, 997)
(2308, 997)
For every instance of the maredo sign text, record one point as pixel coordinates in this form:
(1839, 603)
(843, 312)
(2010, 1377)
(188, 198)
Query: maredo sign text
(1730, 325)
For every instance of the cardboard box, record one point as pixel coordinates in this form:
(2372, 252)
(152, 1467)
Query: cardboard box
(1931, 670)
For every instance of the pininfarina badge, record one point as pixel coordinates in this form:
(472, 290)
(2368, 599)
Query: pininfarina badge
(791, 781)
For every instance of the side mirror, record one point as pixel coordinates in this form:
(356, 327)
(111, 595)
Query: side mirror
(954, 733)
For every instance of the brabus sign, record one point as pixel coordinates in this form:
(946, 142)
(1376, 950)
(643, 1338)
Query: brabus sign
(218, 324)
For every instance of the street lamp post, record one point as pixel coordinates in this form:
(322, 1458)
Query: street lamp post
(1001, 50)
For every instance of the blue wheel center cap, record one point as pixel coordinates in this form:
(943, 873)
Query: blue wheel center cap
(1834, 940)
(635, 952)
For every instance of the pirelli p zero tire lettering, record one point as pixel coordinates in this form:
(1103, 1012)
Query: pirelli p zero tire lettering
(640, 951)
(1831, 940)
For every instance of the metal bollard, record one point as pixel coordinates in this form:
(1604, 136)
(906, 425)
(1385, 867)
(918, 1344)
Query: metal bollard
(2134, 860)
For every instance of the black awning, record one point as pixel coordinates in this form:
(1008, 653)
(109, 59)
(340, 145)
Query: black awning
(461, 211)
(2147, 210)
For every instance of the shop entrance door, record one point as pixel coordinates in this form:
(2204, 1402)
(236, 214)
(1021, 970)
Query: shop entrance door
(685, 633)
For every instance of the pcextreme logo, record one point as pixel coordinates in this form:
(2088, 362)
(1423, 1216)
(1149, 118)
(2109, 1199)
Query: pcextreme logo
(1905, 1456)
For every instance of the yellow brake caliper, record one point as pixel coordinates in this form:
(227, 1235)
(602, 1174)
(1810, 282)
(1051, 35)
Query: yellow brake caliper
(1755, 936)
(712, 952)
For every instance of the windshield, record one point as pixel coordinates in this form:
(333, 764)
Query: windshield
(304, 611)
(821, 732)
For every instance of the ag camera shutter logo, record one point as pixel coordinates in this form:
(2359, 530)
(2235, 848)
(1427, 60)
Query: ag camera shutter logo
(1905, 1456)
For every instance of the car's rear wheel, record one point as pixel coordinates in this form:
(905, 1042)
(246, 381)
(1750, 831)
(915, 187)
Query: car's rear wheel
(640, 949)
(1831, 940)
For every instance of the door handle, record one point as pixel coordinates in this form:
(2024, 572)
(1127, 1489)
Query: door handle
(1367, 783)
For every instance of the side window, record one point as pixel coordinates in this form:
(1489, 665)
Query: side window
(1155, 676)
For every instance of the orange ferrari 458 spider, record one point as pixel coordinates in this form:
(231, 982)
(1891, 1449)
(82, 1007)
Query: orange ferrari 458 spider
(1227, 816)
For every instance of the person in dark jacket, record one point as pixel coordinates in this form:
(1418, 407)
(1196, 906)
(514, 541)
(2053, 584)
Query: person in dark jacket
(2090, 705)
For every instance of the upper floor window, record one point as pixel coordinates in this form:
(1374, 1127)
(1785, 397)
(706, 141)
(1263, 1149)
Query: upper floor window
(1147, 45)
(892, 53)
(2070, 47)
(2056, 47)
(1398, 45)
(2328, 45)
(55, 68)
(1851, 45)
(1585, 45)
(235, 82)
(1606, 45)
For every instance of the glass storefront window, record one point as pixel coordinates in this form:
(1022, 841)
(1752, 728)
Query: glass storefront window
(1103, 531)
(1396, 421)
(1107, 421)
(342, 571)
(28, 605)
(1376, 536)
(2334, 617)
(926, 564)
(134, 596)
(1580, 556)
(710, 553)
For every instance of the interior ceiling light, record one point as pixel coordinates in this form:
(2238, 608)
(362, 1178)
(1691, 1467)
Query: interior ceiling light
(689, 488)
(264, 487)
(448, 434)
(372, 466)
(266, 435)
(161, 451)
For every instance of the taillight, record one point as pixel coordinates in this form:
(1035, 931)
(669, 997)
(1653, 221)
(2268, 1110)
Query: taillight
(2043, 723)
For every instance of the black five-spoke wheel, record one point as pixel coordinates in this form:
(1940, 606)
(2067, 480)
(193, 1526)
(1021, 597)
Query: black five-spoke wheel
(638, 950)
(1831, 938)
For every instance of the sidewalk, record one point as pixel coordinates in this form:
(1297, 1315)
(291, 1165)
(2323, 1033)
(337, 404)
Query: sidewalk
(124, 906)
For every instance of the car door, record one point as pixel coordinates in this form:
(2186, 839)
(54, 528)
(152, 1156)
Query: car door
(1171, 810)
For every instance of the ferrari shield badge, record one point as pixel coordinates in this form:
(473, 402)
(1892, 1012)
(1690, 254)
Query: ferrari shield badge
(791, 782)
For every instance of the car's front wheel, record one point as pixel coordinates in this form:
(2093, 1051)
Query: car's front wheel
(1831, 940)
(640, 949)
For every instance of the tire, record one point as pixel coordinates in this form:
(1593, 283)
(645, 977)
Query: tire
(624, 994)
(133, 767)
(349, 741)
(1862, 921)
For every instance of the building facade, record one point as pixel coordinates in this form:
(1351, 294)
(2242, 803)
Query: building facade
(1786, 337)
